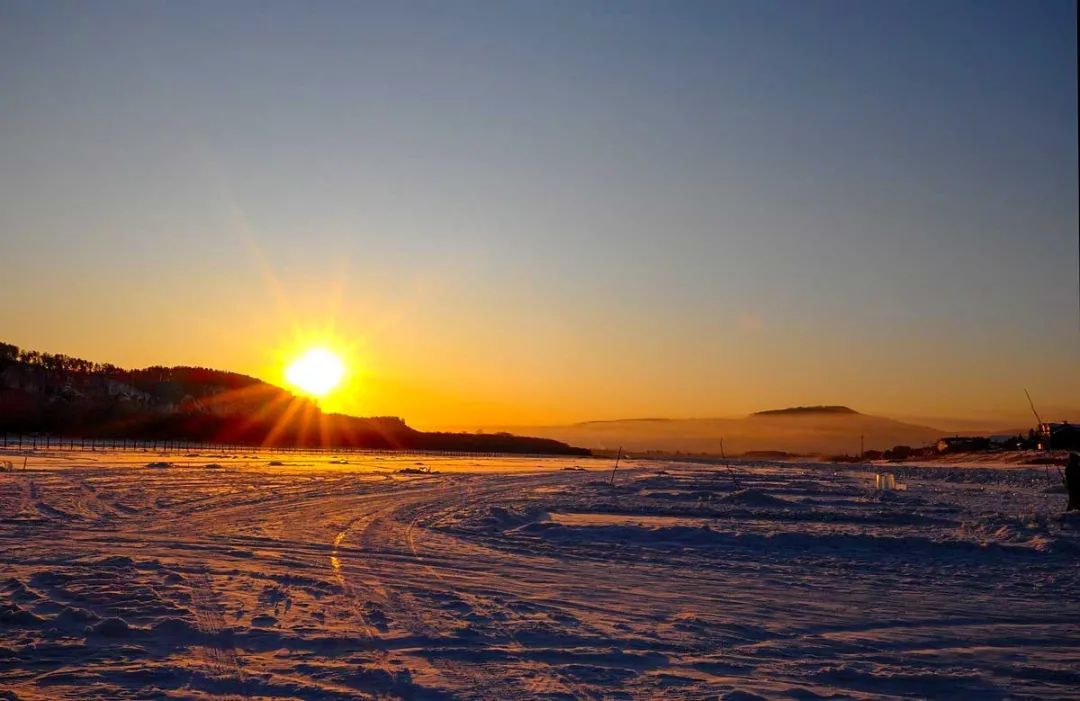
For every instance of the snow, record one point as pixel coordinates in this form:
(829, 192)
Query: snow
(340, 577)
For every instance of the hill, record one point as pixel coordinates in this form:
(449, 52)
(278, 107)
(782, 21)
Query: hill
(806, 411)
(62, 395)
(802, 430)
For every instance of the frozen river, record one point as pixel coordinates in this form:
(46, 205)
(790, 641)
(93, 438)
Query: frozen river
(222, 576)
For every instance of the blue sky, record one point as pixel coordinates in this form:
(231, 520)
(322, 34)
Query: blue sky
(556, 209)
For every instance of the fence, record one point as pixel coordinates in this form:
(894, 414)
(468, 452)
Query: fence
(24, 442)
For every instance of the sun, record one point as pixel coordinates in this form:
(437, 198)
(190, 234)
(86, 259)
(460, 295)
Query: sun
(316, 372)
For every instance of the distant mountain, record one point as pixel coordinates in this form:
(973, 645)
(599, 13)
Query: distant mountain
(62, 395)
(802, 430)
(806, 411)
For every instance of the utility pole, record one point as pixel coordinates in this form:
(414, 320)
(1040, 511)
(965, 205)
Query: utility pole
(617, 458)
(1038, 432)
(1032, 405)
(730, 469)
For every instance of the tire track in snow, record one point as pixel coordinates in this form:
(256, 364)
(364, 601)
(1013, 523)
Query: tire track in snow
(351, 593)
(28, 502)
(365, 608)
(375, 532)
(91, 505)
(488, 680)
(218, 654)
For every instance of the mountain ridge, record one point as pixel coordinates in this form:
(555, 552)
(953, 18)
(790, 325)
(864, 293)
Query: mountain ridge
(64, 395)
(819, 409)
(823, 429)
(807, 410)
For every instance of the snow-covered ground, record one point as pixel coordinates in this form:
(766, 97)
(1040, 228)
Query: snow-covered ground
(225, 576)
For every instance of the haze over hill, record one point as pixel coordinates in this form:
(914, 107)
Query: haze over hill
(818, 429)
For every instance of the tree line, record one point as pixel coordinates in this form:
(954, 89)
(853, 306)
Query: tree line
(11, 354)
(194, 380)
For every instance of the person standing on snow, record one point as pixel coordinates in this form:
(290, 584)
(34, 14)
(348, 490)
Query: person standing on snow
(1071, 479)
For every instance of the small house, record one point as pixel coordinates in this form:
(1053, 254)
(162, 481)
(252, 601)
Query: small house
(962, 444)
(1059, 436)
(1006, 441)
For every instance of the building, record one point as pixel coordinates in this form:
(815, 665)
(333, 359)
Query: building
(962, 444)
(1005, 441)
(1059, 436)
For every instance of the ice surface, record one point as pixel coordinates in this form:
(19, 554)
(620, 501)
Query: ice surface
(325, 578)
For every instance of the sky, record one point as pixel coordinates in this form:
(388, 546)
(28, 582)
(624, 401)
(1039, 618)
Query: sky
(544, 212)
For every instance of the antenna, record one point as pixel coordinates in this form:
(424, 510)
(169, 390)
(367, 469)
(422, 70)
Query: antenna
(730, 469)
(617, 459)
(1032, 405)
